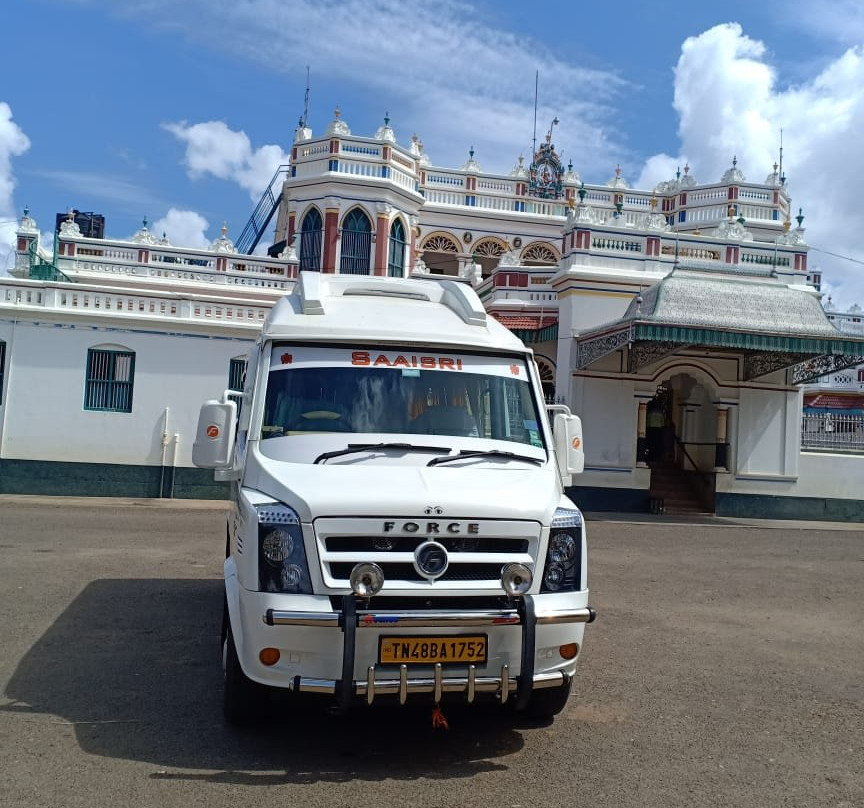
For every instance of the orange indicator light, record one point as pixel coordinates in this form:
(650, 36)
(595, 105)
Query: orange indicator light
(269, 656)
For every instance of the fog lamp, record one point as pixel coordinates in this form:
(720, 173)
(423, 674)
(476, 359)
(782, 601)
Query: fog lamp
(516, 579)
(366, 580)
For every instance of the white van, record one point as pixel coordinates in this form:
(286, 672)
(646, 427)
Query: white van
(399, 528)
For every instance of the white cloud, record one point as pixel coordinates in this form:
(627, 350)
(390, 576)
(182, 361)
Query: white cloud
(13, 143)
(213, 148)
(729, 103)
(184, 228)
(443, 68)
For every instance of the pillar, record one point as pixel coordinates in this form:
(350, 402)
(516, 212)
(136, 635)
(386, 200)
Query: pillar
(331, 234)
(642, 434)
(382, 237)
(721, 450)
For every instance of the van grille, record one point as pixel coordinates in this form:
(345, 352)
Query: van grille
(475, 554)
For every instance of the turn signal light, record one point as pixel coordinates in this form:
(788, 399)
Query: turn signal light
(569, 651)
(269, 656)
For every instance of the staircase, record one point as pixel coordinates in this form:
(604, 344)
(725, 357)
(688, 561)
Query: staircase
(675, 492)
(263, 213)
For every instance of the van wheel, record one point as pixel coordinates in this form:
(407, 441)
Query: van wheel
(242, 698)
(548, 702)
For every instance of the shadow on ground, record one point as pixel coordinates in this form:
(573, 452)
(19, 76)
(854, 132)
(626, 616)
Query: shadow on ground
(134, 665)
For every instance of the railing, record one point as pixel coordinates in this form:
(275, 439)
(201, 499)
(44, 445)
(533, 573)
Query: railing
(175, 307)
(706, 481)
(839, 433)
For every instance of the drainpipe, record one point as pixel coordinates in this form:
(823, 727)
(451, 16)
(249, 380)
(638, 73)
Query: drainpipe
(176, 440)
(165, 441)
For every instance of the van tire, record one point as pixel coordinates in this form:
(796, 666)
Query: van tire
(242, 698)
(546, 703)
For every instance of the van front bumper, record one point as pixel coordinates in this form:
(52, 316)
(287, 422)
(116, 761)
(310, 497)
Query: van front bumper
(523, 620)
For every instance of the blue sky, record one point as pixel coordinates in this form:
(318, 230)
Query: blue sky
(181, 111)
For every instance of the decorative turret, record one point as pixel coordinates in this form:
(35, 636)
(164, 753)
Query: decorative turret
(416, 148)
(141, 236)
(302, 132)
(571, 177)
(338, 127)
(223, 244)
(471, 164)
(688, 180)
(519, 169)
(27, 224)
(70, 228)
(385, 132)
(774, 177)
(618, 181)
(733, 175)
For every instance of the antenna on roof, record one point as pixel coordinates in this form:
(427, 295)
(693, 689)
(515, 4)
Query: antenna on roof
(536, 88)
(781, 156)
(305, 101)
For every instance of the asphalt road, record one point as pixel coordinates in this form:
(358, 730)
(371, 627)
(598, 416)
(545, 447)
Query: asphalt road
(726, 667)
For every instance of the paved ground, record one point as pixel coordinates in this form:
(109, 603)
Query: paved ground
(725, 668)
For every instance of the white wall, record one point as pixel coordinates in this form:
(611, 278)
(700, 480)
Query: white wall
(43, 417)
(767, 432)
(608, 411)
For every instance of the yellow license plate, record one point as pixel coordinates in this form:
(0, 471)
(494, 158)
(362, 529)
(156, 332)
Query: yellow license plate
(463, 649)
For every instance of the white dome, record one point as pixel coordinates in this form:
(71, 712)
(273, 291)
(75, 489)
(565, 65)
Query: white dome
(385, 132)
(733, 175)
(337, 125)
(471, 164)
(519, 169)
(143, 236)
(223, 244)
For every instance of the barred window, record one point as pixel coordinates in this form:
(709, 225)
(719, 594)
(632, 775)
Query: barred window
(310, 241)
(109, 381)
(396, 252)
(236, 378)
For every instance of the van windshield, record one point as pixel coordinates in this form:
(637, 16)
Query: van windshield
(392, 391)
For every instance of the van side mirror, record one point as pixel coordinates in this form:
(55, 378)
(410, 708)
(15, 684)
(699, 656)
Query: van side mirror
(214, 438)
(569, 450)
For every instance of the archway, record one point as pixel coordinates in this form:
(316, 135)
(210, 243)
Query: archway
(441, 254)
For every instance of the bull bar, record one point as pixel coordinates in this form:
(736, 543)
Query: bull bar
(350, 619)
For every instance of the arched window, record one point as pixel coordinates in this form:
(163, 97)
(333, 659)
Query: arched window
(488, 253)
(539, 254)
(547, 379)
(310, 241)
(441, 254)
(396, 251)
(356, 243)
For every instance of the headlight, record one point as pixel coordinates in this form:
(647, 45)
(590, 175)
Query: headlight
(282, 565)
(563, 571)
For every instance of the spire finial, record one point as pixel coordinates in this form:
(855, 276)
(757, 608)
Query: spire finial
(471, 152)
(678, 173)
(386, 119)
(224, 228)
(336, 113)
(734, 160)
(800, 217)
(686, 168)
(618, 170)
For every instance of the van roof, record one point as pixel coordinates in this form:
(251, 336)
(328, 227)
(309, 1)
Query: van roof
(431, 309)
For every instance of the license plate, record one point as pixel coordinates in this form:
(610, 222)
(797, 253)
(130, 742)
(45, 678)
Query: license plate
(463, 649)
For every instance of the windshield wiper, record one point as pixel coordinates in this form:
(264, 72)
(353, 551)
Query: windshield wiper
(364, 447)
(469, 453)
